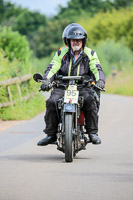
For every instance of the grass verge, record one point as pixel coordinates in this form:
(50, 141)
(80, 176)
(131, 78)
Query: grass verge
(24, 110)
(121, 84)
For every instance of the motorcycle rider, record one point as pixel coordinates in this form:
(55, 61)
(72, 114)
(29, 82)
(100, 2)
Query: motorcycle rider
(76, 59)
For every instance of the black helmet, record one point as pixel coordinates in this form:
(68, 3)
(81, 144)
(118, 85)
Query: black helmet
(65, 32)
(77, 32)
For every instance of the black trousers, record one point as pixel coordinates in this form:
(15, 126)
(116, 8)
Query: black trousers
(90, 109)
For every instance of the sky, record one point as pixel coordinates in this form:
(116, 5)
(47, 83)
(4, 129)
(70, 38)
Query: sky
(47, 7)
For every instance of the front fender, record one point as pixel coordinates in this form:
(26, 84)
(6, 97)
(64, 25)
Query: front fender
(68, 107)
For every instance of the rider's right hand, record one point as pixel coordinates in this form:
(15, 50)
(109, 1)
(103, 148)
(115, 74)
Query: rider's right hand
(46, 85)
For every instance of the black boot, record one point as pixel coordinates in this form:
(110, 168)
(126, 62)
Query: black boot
(47, 140)
(95, 139)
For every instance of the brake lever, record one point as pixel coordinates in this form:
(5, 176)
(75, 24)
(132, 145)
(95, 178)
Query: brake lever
(94, 85)
(103, 90)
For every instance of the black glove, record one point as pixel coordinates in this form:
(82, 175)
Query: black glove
(100, 84)
(46, 85)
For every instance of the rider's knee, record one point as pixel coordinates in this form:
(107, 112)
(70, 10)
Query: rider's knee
(50, 104)
(90, 104)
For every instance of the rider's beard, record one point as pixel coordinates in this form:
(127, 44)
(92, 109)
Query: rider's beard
(76, 48)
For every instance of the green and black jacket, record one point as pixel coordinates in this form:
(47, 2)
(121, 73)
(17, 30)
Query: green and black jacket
(62, 65)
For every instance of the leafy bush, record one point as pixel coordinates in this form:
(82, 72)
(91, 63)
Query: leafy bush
(14, 54)
(14, 45)
(10, 69)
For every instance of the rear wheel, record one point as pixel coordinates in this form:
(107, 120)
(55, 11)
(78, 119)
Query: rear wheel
(68, 137)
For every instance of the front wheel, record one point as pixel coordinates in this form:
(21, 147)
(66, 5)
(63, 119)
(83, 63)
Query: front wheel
(68, 137)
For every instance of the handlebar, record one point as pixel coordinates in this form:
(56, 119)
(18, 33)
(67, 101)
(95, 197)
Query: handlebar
(82, 78)
(87, 81)
(71, 78)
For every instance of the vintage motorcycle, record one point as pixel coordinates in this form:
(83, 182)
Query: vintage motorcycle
(71, 132)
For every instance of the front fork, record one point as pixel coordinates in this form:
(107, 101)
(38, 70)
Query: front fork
(65, 108)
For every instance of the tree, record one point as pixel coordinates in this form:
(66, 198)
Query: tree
(122, 3)
(1, 7)
(44, 34)
(48, 39)
(28, 22)
(76, 8)
(8, 10)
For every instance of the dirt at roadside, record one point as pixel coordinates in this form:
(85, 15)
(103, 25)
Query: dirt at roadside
(8, 124)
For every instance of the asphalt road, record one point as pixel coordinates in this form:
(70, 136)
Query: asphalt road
(102, 172)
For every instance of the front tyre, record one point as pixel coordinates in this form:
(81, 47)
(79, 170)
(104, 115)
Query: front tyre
(68, 137)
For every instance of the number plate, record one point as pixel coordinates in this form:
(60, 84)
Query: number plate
(71, 94)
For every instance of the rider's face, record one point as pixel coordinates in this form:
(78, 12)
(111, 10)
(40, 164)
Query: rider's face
(76, 44)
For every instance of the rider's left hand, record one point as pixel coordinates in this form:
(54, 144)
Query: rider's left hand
(100, 84)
